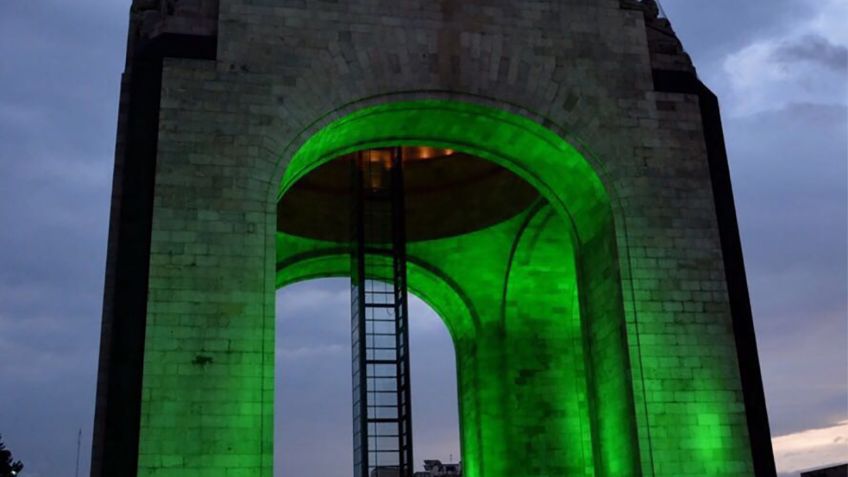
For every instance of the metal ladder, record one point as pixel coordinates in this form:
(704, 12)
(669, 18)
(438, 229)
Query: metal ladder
(382, 418)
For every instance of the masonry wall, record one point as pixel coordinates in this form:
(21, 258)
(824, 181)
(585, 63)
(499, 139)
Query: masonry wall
(227, 128)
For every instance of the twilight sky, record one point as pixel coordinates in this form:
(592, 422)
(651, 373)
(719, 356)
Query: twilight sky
(779, 67)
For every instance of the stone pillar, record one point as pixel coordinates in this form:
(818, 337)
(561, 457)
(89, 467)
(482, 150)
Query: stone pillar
(207, 397)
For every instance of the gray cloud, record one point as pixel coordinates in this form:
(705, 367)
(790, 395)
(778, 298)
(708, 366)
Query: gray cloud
(711, 28)
(313, 419)
(813, 49)
(57, 129)
(789, 173)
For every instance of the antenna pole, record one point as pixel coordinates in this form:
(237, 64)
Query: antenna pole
(79, 440)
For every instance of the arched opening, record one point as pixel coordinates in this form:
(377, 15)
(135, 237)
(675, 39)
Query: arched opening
(313, 383)
(529, 288)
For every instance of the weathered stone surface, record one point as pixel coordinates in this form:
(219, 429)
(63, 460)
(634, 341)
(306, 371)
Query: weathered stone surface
(285, 68)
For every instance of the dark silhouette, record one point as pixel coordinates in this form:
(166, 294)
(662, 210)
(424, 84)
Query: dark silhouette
(8, 467)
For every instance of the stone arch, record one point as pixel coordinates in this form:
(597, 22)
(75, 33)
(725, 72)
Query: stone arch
(583, 225)
(214, 110)
(322, 141)
(427, 282)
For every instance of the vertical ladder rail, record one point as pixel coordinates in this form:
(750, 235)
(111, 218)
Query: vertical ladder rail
(379, 326)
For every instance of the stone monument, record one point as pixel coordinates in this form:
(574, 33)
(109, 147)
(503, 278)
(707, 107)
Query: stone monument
(569, 215)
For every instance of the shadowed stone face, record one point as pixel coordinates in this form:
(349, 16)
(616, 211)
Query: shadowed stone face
(152, 18)
(177, 7)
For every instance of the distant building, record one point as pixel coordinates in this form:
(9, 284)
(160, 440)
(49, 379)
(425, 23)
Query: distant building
(836, 471)
(432, 468)
(435, 468)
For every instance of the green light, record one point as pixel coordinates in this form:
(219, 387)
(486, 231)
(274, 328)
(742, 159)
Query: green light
(554, 376)
(509, 294)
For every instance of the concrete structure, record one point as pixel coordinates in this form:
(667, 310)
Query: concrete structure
(435, 468)
(602, 329)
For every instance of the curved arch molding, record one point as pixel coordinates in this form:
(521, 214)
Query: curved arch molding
(533, 304)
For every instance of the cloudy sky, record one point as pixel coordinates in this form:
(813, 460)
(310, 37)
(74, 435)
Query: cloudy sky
(779, 67)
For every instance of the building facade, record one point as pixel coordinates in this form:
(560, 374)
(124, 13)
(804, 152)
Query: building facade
(602, 328)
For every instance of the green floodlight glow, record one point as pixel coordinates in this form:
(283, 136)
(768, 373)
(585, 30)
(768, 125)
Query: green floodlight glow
(554, 377)
(509, 293)
(529, 150)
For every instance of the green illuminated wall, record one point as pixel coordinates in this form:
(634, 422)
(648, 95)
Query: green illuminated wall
(595, 333)
(576, 353)
(526, 409)
(531, 364)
